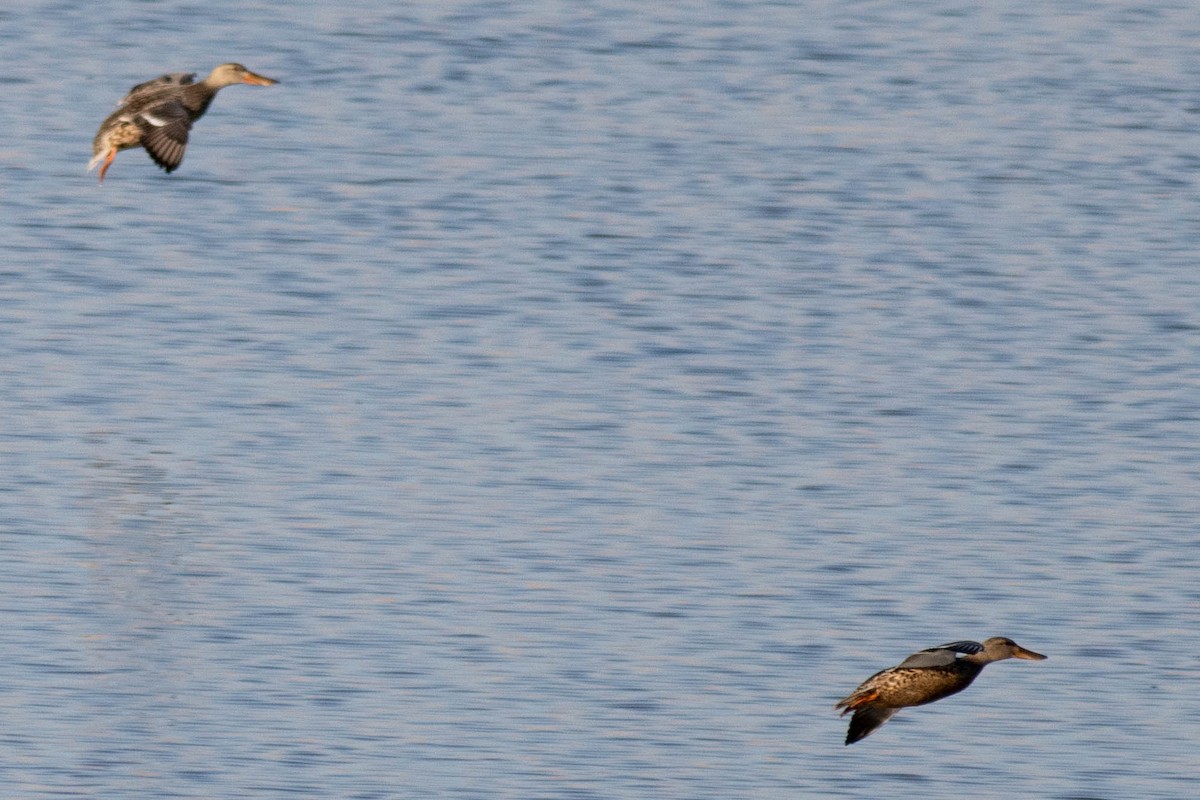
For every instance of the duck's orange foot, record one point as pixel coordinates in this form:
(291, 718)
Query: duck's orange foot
(107, 162)
(858, 701)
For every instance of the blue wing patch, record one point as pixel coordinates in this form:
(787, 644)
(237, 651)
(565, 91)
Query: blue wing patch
(966, 646)
(942, 655)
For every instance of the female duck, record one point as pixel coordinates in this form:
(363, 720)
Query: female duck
(158, 114)
(923, 678)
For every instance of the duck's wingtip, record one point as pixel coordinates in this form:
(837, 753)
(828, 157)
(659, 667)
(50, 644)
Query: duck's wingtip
(866, 721)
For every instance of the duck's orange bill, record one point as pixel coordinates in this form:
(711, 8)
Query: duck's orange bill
(258, 80)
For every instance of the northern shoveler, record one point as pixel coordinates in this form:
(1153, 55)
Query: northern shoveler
(923, 678)
(158, 114)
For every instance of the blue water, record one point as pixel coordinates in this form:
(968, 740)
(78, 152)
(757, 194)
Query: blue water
(539, 400)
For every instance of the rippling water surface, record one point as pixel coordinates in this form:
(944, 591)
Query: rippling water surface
(546, 400)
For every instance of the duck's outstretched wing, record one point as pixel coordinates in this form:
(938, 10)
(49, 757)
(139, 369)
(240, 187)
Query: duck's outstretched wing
(165, 132)
(942, 655)
(171, 79)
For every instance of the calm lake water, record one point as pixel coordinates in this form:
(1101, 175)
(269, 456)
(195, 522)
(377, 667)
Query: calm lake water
(575, 400)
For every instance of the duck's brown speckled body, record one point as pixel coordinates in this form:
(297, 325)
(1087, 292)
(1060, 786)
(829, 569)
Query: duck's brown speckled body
(158, 114)
(923, 678)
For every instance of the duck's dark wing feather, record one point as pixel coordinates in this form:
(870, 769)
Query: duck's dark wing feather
(942, 655)
(866, 720)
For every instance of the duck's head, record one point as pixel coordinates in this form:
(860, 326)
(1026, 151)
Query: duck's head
(229, 74)
(999, 648)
